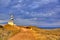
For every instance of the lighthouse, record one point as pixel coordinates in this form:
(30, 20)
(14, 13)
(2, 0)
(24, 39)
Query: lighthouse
(11, 21)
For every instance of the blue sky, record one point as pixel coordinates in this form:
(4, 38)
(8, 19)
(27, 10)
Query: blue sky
(41, 13)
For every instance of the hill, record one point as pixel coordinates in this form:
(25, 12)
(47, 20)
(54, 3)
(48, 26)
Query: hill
(9, 32)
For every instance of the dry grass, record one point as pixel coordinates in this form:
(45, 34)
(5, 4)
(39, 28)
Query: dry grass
(9, 32)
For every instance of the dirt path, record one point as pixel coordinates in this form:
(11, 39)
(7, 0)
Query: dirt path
(24, 34)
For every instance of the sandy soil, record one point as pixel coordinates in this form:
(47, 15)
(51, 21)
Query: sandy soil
(24, 34)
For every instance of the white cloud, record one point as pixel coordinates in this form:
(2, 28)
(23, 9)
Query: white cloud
(2, 21)
(24, 22)
(5, 3)
(48, 1)
(34, 4)
(35, 23)
(40, 3)
(17, 6)
(20, 1)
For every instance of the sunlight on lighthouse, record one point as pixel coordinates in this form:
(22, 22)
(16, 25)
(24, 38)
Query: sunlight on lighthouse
(11, 21)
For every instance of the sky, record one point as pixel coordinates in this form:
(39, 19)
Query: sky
(40, 13)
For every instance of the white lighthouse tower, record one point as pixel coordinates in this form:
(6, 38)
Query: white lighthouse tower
(11, 21)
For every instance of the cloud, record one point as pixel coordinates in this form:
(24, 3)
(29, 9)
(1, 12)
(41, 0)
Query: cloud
(49, 18)
(3, 21)
(41, 3)
(4, 16)
(20, 1)
(31, 12)
(24, 21)
(20, 21)
(4, 3)
(32, 4)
